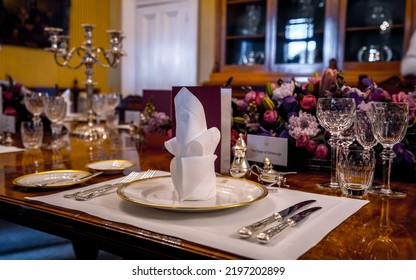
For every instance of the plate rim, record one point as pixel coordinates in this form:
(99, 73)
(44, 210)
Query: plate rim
(264, 193)
(15, 180)
(132, 163)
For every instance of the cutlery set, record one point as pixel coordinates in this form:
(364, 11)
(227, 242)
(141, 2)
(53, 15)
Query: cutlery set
(101, 190)
(283, 217)
(267, 235)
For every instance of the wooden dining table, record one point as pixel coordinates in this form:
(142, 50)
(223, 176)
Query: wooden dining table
(383, 228)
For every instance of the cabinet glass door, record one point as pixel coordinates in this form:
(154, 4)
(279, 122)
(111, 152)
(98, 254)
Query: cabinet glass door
(300, 32)
(245, 32)
(374, 30)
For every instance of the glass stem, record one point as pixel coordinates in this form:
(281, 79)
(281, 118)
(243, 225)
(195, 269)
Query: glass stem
(334, 151)
(387, 155)
(333, 142)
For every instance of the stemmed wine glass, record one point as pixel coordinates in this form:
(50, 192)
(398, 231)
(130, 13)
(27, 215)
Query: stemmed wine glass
(34, 104)
(99, 106)
(363, 129)
(55, 111)
(104, 104)
(112, 101)
(390, 122)
(335, 115)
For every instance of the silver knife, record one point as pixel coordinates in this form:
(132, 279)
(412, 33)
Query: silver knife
(267, 235)
(39, 185)
(248, 231)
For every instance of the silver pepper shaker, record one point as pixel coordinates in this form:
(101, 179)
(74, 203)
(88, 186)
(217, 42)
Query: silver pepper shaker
(240, 166)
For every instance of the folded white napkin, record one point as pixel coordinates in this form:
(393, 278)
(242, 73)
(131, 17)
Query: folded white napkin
(192, 168)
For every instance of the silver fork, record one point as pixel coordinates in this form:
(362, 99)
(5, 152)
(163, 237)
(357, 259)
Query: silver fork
(89, 194)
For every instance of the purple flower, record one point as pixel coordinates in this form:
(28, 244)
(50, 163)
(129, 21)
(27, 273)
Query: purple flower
(401, 152)
(289, 107)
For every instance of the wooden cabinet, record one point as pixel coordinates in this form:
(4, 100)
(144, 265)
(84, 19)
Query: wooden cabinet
(264, 40)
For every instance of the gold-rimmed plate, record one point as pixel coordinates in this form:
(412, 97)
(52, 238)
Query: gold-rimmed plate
(52, 179)
(110, 166)
(158, 192)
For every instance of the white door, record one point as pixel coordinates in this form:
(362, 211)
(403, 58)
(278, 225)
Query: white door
(164, 44)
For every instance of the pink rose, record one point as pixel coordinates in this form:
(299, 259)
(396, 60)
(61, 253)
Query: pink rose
(270, 116)
(308, 102)
(302, 140)
(8, 95)
(311, 146)
(250, 96)
(254, 96)
(321, 151)
(403, 97)
(259, 98)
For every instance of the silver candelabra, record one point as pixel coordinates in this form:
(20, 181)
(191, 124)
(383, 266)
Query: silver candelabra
(88, 55)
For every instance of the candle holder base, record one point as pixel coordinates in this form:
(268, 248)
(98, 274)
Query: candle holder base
(89, 132)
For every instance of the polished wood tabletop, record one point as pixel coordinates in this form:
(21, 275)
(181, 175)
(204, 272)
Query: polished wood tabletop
(382, 229)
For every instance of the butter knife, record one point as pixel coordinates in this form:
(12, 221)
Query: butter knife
(70, 180)
(248, 231)
(267, 235)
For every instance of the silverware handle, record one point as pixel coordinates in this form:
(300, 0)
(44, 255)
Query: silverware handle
(93, 193)
(248, 231)
(267, 235)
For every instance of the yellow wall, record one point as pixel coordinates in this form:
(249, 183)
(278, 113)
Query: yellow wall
(36, 67)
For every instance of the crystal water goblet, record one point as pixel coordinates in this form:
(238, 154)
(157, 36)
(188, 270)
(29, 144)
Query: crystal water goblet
(34, 104)
(55, 111)
(364, 135)
(389, 122)
(335, 115)
(112, 100)
(99, 106)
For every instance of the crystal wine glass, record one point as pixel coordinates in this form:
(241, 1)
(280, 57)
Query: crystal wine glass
(34, 104)
(389, 122)
(99, 106)
(335, 115)
(55, 111)
(363, 129)
(112, 101)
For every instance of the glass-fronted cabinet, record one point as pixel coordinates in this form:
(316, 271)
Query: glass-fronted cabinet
(245, 32)
(261, 40)
(374, 30)
(300, 32)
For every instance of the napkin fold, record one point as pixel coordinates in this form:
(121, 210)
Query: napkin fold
(192, 169)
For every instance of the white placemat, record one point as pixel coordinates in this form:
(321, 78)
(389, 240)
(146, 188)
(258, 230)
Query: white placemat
(219, 229)
(9, 149)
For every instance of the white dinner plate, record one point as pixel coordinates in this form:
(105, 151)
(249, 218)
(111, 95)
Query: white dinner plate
(158, 192)
(63, 178)
(110, 166)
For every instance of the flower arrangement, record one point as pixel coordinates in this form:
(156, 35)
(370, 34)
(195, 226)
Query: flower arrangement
(13, 94)
(153, 121)
(288, 110)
